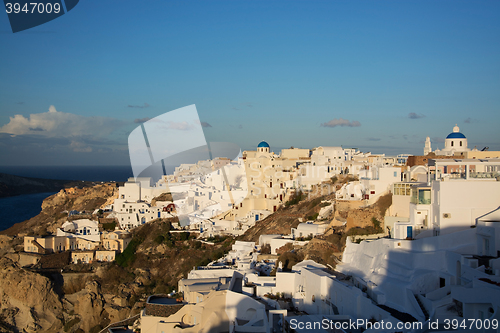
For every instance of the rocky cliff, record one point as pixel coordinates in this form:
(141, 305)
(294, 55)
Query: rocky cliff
(52, 215)
(28, 301)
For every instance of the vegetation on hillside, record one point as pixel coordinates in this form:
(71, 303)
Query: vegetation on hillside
(295, 198)
(157, 258)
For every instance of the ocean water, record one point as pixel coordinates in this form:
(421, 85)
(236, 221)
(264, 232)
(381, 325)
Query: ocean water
(23, 207)
(20, 208)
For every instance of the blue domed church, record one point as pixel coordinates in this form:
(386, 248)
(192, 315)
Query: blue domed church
(454, 143)
(263, 147)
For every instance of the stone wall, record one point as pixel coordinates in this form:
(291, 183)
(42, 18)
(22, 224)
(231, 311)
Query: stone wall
(423, 160)
(26, 259)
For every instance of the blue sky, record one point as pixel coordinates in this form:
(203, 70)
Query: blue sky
(256, 70)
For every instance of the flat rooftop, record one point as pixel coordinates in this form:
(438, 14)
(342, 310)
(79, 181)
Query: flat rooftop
(162, 300)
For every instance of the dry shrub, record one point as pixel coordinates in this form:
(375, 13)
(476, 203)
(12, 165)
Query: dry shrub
(383, 203)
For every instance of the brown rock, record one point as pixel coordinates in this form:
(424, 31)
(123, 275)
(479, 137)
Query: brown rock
(27, 300)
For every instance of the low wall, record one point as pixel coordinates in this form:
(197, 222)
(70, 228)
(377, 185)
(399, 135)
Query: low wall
(161, 310)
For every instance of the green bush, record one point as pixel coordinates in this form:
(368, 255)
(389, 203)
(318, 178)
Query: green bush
(377, 225)
(295, 199)
(203, 262)
(184, 236)
(313, 217)
(159, 239)
(217, 239)
(128, 256)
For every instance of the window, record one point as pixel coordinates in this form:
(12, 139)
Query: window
(452, 143)
(460, 143)
(421, 196)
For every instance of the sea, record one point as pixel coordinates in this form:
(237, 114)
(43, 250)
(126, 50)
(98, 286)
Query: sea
(23, 207)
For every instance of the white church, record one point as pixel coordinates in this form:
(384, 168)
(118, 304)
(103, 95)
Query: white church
(454, 143)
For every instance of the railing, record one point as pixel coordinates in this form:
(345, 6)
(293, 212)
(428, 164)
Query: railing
(484, 174)
(125, 322)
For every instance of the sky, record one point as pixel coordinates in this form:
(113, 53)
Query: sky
(379, 76)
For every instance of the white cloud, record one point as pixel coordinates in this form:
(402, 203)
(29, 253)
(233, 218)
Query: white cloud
(60, 124)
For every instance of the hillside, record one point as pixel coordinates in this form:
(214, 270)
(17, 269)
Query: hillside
(52, 215)
(11, 185)
(85, 298)
(286, 217)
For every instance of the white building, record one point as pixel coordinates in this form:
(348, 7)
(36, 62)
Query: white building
(454, 144)
(83, 228)
(451, 201)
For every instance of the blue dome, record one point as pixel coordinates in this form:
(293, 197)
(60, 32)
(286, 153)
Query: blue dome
(455, 135)
(263, 144)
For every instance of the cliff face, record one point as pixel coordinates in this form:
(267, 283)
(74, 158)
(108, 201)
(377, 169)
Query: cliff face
(88, 303)
(28, 302)
(52, 217)
(286, 217)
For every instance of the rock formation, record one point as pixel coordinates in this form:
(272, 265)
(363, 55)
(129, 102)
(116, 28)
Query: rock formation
(28, 301)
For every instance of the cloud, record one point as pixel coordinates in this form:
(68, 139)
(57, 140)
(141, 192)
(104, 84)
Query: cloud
(60, 124)
(341, 122)
(470, 120)
(413, 115)
(205, 124)
(141, 120)
(372, 139)
(146, 105)
(182, 126)
(240, 126)
(80, 147)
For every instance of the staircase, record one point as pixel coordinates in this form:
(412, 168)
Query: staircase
(41, 249)
(426, 314)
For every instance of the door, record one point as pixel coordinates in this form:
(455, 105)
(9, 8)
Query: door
(409, 231)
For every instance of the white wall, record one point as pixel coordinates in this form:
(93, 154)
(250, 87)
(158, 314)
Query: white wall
(464, 201)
